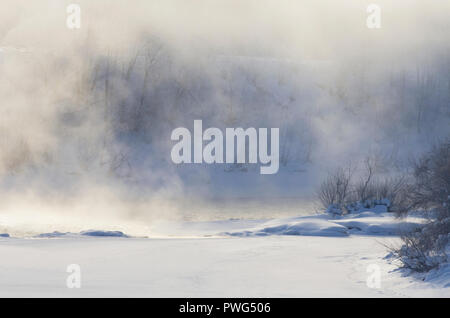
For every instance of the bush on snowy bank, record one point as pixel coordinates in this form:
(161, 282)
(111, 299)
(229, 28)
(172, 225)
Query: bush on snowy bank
(430, 187)
(429, 246)
(425, 190)
(341, 194)
(374, 205)
(426, 248)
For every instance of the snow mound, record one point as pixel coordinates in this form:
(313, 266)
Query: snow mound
(370, 223)
(95, 233)
(103, 233)
(52, 234)
(364, 223)
(304, 226)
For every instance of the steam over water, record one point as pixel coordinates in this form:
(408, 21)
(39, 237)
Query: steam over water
(86, 114)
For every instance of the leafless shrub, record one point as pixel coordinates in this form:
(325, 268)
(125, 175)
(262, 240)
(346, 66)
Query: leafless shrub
(364, 188)
(335, 189)
(430, 189)
(373, 186)
(339, 189)
(425, 248)
(394, 189)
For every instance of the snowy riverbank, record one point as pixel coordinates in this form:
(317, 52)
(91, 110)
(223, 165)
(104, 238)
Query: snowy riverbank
(293, 257)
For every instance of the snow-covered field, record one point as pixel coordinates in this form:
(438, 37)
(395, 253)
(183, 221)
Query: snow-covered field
(296, 257)
(94, 172)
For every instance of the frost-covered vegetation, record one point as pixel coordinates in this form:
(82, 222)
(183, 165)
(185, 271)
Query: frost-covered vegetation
(429, 246)
(355, 189)
(87, 114)
(424, 190)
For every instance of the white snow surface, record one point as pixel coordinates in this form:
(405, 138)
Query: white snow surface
(308, 256)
